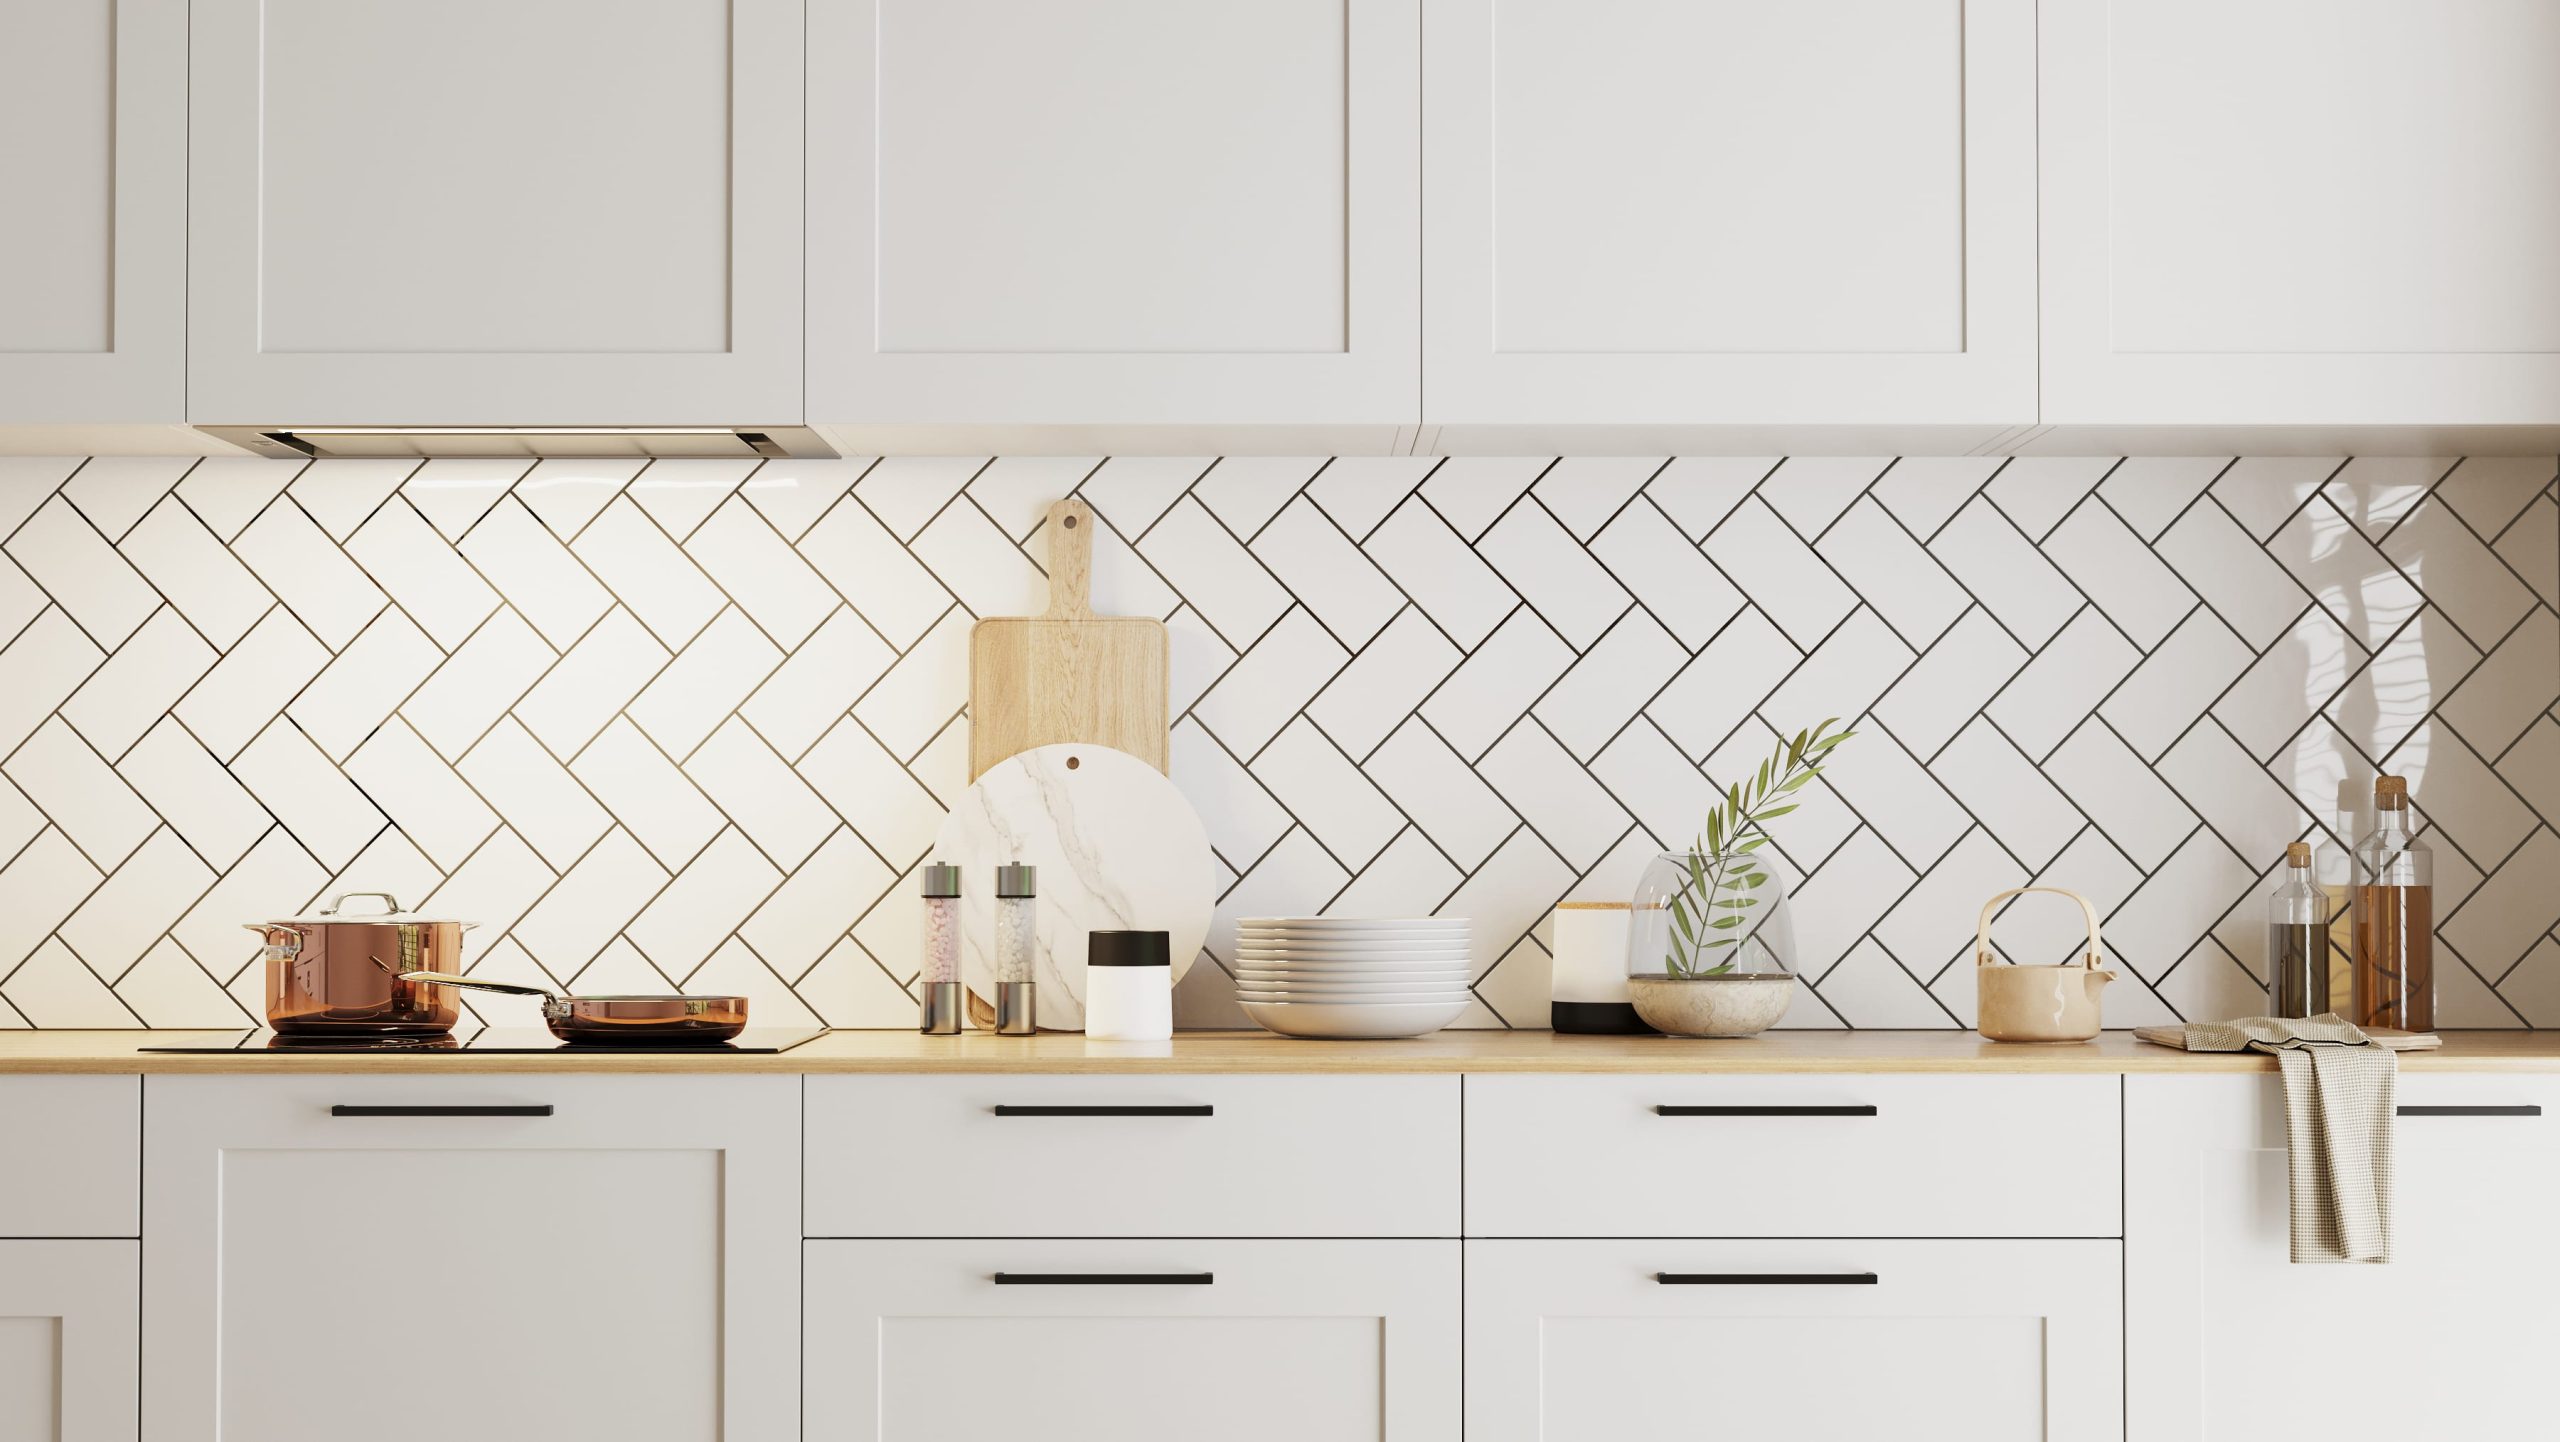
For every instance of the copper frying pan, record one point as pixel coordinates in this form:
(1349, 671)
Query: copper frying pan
(606, 1020)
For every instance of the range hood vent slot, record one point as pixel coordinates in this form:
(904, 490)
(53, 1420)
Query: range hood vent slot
(653, 442)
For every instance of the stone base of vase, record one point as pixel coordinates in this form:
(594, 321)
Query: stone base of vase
(1711, 1006)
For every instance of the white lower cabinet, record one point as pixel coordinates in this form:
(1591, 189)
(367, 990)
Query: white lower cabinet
(1132, 1341)
(2228, 1339)
(409, 1259)
(69, 1317)
(1794, 1341)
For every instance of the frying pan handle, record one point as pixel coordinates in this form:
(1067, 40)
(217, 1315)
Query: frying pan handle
(1070, 561)
(473, 983)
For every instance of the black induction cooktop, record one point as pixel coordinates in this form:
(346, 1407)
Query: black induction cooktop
(501, 1041)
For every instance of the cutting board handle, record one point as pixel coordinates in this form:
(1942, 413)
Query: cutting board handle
(1070, 561)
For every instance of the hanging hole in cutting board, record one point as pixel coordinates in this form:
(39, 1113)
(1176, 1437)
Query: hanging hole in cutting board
(1073, 762)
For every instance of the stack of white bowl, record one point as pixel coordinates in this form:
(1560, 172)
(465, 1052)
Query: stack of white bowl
(1334, 976)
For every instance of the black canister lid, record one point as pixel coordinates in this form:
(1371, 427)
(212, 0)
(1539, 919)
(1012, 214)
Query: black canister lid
(1127, 948)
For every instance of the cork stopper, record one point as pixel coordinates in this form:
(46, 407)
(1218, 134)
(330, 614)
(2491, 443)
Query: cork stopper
(2391, 793)
(2298, 855)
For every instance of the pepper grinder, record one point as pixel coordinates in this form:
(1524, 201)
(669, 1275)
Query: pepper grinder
(1017, 1000)
(942, 1007)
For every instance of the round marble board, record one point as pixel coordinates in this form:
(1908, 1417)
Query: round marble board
(1118, 848)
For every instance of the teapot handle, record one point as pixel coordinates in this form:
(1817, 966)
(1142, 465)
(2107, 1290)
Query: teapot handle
(1982, 929)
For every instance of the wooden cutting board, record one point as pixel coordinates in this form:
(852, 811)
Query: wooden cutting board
(1066, 675)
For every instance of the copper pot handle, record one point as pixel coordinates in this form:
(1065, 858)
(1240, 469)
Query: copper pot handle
(344, 897)
(473, 983)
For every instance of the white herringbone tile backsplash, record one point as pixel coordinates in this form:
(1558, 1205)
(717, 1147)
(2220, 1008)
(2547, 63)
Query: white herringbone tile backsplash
(695, 724)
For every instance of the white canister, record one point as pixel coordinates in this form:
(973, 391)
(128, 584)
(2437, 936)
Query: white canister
(1591, 970)
(1128, 986)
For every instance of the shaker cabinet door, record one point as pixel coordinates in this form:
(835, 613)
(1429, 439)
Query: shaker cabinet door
(1114, 213)
(2228, 1339)
(2266, 212)
(495, 212)
(1811, 1341)
(93, 247)
(410, 1259)
(69, 1340)
(1719, 212)
(1117, 1341)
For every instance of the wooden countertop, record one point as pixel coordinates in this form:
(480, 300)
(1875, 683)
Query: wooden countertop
(1261, 1053)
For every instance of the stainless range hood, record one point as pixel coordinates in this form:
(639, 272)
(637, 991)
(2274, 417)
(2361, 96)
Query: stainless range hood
(655, 442)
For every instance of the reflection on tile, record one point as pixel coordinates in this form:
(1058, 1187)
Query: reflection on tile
(2385, 701)
(2355, 583)
(2376, 492)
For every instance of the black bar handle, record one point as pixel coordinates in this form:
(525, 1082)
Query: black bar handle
(1766, 1279)
(2483, 1111)
(1202, 1110)
(1105, 1279)
(543, 1110)
(1840, 1111)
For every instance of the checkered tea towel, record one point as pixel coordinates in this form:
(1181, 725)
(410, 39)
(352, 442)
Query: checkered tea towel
(2339, 1092)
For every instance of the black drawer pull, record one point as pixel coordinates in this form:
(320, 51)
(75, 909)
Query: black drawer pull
(1844, 1111)
(1105, 1279)
(1766, 1279)
(543, 1110)
(1202, 1110)
(2493, 1111)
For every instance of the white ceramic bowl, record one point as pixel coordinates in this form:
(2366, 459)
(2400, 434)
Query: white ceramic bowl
(1355, 972)
(1364, 1022)
(1327, 951)
(1281, 991)
(1354, 1003)
(1349, 925)
(1352, 925)
(1437, 976)
(1291, 960)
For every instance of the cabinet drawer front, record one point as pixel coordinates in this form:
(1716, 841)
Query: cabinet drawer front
(619, 1252)
(1972, 1340)
(2207, 1244)
(73, 1146)
(1247, 1341)
(1811, 1156)
(69, 1340)
(1110, 1156)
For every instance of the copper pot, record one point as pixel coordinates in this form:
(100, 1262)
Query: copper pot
(606, 1020)
(332, 973)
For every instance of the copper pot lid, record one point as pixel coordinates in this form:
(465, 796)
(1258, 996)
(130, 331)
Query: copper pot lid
(390, 913)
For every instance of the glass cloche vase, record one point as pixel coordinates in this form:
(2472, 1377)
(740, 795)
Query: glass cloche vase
(1711, 944)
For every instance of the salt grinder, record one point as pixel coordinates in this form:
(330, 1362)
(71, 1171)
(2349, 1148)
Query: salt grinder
(943, 1006)
(1017, 998)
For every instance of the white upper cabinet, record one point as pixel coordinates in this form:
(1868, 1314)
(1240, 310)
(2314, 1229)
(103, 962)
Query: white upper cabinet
(1720, 212)
(2301, 212)
(93, 185)
(495, 212)
(1117, 212)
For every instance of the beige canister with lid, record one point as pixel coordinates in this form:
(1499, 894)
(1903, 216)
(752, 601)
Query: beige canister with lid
(1590, 985)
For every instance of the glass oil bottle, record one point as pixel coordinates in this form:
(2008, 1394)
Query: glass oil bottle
(2297, 940)
(2392, 918)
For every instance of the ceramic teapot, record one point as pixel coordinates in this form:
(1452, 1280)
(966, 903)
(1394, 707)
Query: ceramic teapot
(2037, 1003)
